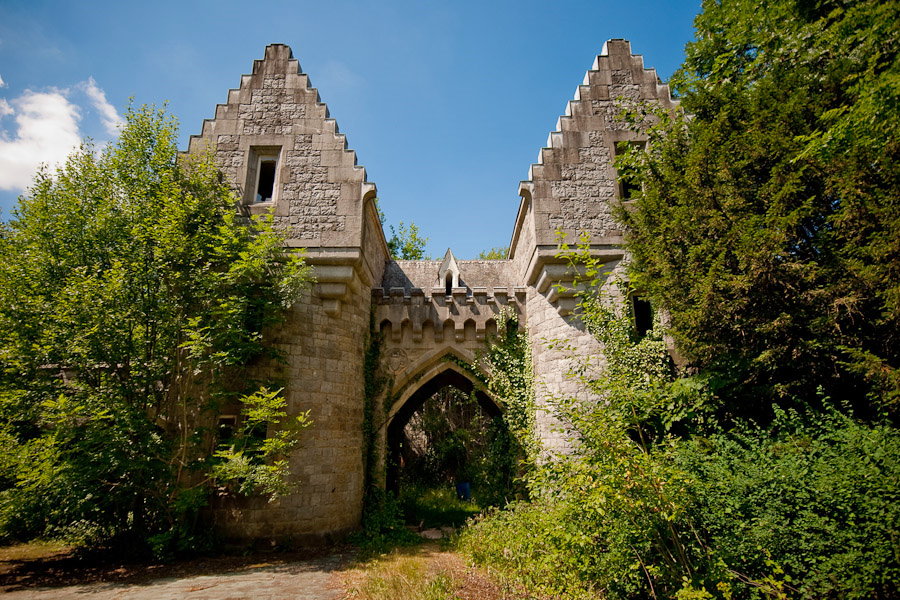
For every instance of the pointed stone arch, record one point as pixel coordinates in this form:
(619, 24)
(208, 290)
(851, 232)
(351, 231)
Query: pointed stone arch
(436, 365)
(416, 390)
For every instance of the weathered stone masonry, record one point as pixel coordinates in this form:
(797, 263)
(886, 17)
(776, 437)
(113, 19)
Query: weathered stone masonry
(274, 137)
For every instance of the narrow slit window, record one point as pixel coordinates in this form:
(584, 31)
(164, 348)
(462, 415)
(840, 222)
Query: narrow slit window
(643, 316)
(265, 186)
(227, 427)
(448, 282)
(628, 186)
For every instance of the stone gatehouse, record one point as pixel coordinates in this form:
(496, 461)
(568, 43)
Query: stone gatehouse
(276, 141)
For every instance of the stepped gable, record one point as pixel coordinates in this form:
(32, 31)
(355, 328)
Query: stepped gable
(573, 184)
(276, 117)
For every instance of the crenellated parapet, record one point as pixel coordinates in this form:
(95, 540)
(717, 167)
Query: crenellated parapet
(431, 316)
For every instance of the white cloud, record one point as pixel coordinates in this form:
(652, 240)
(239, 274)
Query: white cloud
(108, 114)
(2, 83)
(47, 132)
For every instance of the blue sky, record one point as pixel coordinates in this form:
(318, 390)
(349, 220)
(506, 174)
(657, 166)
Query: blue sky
(445, 103)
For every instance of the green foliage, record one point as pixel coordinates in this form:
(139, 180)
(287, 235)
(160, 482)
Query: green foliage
(435, 506)
(383, 526)
(533, 545)
(405, 243)
(818, 493)
(131, 293)
(806, 508)
(768, 225)
(255, 461)
(507, 361)
(612, 515)
(450, 439)
(496, 253)
(374, 383)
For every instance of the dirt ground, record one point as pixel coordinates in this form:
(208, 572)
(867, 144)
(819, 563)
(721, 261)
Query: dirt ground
(60, 574)
(46, 572)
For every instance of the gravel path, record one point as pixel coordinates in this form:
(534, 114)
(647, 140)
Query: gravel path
(311, 579)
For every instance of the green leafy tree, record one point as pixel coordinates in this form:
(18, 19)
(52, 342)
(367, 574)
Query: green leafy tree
(496, 253)
(768, 225)
(131, 296)
(406, 243)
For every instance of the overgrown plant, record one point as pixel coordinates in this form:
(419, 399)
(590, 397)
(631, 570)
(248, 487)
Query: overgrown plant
(383, 526)
(451, 439)
(510, 379)
(660, 501)
(767, 221)
(255, 459)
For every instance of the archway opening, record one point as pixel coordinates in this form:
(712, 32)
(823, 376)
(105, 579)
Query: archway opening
(449, 452)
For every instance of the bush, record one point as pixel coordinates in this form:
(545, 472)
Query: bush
(818, 496)
(535, 545)
(132, 296)
(383, 527)
(809, 510)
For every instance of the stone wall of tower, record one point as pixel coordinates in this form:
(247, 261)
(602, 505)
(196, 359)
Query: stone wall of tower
(572, 190)
(573, 186)
(324, 204)
(322, 374)
(275, 112)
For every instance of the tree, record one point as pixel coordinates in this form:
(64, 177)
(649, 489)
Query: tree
(131, 296)
(406, 243)
(496, 253)
(768, 225)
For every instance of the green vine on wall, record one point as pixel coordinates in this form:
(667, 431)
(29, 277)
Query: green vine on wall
(510, 378)
(374, 384)
(382, 522)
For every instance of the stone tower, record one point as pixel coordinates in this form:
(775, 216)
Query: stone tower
(276, 142)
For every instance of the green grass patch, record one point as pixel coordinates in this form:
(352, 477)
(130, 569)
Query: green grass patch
(435, 507)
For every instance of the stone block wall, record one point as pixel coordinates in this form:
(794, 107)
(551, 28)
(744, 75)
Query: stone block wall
(322, 374)
(275, 112)
(572, 190)
(324, 204)
(573, 186)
